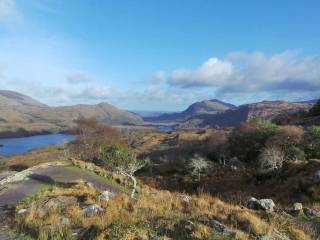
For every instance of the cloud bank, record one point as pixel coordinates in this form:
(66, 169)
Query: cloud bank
(247, 73)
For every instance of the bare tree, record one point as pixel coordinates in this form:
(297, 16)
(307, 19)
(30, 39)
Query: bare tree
(129, 171)
(197, 165)
(271, 158)
(92, 135)
(121, 159)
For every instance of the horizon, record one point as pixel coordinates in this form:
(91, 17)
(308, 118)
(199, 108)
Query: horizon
(167, 54)
(163, 111)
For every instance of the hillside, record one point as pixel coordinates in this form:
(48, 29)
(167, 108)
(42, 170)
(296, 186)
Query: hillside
(10, 98)
(22, 115)
(204, 107)
(267, 110)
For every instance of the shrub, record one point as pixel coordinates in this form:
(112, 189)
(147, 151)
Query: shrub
(115, 155)
(294, 153)
(287, 136)
(288, 139)
(91, 137)
(197, 165)
(315, 110)
(216, 144)
(120, 158)
(246, 141)
(271, 158)
(312, 142)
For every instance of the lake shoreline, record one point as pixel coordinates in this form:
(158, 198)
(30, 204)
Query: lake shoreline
(19, 145)
(25, 133)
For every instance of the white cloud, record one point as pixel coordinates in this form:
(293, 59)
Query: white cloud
(211, 72)
(241, 73)
(7, 8)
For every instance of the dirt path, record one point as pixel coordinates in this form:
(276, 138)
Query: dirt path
(16, 192)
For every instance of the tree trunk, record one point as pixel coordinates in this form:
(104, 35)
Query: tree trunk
(134, 185)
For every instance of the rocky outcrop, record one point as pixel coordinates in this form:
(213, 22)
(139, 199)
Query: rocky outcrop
(262, 204)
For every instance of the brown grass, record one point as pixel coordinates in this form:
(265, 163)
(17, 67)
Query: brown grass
(125, 218)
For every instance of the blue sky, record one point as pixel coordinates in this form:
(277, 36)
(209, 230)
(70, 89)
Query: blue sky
(160, 55)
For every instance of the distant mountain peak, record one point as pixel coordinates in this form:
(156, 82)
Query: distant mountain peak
(202, 107)
(11, 98)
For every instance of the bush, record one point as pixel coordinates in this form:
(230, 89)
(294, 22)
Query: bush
(288, 139)
(91, 137)
(294, 153)
(115, 155)
(271, 158)
(215, 145)
(312, 142)
(315, 110)
(246, 141)
(120, 158)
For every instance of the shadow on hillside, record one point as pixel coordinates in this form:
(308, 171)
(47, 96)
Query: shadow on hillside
(49, 180)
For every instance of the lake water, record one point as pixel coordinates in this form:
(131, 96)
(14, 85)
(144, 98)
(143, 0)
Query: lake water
(13, 146)
(166, 128)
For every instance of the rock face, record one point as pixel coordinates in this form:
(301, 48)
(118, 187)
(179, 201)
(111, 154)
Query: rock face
(262, 204)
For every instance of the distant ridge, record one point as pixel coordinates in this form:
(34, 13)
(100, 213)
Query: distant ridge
(266, 110)
(21, 115)
(212, 106)
(11, 98)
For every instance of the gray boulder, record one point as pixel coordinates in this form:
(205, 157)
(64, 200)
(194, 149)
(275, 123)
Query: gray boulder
(309, 212)
(92, 210)
(262, 204)
(22, 211)
(106, 195)
(60, 201)
(317, 176)
(222, 229)
(297, 206)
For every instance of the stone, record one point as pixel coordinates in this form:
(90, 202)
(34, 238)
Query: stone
(106, 195)
(22, 211)
(262, 204)
(309, 212)
(264, 237)
(91, 233)
(60, 201)
(65, 221)
(222, 229)
(92, 210)
(317, 176)
(297, 206)
(89, 166)
(186, 198)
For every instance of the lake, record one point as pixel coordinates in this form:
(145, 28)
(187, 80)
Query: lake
(13, 146)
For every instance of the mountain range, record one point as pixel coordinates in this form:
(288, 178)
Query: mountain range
(266, 110)
(22, 115)
(215, 113)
